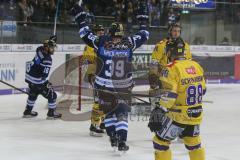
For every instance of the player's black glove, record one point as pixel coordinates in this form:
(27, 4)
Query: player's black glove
(78, 13)
(156, 118)
(48, 84)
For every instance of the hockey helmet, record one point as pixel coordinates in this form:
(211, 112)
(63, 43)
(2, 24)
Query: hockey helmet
(116, 29)
(98, 27)
(175, 48)
(51, 42)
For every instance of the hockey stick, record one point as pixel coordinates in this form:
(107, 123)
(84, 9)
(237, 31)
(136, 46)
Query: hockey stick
(118, 93)
(55, 18)
(14, 87)
(136, 95)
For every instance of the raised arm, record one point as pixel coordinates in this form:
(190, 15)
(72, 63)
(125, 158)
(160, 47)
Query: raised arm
(142, 16)
(84, 31)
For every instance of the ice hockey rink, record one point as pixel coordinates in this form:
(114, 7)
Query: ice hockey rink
(41, 139)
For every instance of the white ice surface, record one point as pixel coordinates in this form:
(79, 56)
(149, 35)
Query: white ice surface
(41, 139)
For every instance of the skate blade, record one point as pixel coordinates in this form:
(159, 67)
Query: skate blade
(120, 153)
(93, 134)
(52, 118)
(115, 149)
(28, 116)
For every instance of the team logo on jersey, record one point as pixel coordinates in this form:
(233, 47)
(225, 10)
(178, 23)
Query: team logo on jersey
(191, 70)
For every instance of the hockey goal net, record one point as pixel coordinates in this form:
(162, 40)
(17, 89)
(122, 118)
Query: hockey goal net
(77, 93)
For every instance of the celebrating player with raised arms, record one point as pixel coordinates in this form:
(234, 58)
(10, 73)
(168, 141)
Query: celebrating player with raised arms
(114, 52)
(180, 110)
(37, 72)
(89, 55)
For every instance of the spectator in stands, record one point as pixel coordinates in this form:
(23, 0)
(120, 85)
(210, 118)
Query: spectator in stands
(130, 16)
(225, 42)
(199, 40)
(173, 17)
(154, 9)
(8, 10)
(25, 11)
(1, 11)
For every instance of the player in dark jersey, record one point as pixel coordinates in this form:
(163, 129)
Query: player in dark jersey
(114, 52)
(37, 72)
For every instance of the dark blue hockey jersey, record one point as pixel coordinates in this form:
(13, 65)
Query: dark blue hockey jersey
(38, 69)
(114, 59)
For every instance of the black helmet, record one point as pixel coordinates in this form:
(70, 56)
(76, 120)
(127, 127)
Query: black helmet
(51, 42)
(116, 29)
(98, 27)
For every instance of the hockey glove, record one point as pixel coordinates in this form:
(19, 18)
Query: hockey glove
(48, 84)
(156, 118)
(78, 13)
(153, 81)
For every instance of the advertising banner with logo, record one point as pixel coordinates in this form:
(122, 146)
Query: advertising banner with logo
(8, 28)
(194, 4)
(12, 69)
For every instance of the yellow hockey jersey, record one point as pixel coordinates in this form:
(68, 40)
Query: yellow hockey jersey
(160, 58)
(90, 55)
(184, 87)
(159, 53)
